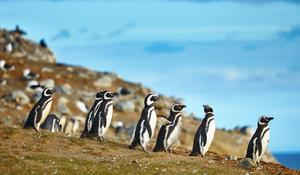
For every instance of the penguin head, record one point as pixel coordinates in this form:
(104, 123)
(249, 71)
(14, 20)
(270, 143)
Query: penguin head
(150, 99)
(207, 109)
(107, 95)
(177, 107)
(99, 95)
(264, 120)
(49, 91)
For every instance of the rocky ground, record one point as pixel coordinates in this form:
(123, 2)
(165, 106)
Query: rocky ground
(30, 152)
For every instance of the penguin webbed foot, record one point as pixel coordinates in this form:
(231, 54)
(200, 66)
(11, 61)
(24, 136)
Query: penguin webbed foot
(100, 138)
(146, 150)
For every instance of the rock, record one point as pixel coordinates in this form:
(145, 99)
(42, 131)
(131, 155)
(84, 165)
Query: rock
(232, 157)
(125, 106)
(46, 69)
(48, 83)
(6, 121)
(83, 75)
(36, 96)
(62, 106)
(19, 96)
(124, 91)
(105, 81)
(65, 89)
(247, 163)
(247, 130)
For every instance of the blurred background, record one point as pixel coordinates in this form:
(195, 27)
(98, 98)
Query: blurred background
(241, 57)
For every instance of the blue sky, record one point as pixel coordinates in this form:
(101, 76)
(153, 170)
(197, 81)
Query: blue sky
(242, 58)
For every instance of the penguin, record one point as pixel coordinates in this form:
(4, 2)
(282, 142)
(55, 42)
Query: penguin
(40, 110)
(91, 114)
(169, 133)
(52, 123)
(43, 43)
(35, 86)
(19, 31)
(5, 66)
(205, 133)
(144, 130)
(103, 115)
(259, 142)
(82, 106)
(72, 126)
(28, 75)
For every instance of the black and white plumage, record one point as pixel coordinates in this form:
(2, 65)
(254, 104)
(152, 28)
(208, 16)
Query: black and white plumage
(100, 116)
(5, 66)
(144, 130)
(72, 126)
(91, 114)
(35, 86)
(52, 123)
(260, 140)
(205, 133)
(40, 110)
(29, 75)
(169, 133)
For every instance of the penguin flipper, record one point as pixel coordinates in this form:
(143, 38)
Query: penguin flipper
(159, 146)
(148, 128)
(164, 119)
(259, 146)
(38, 113)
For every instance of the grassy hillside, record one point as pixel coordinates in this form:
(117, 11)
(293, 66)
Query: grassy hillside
(27, 152)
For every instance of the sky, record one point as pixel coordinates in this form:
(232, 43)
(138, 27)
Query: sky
(240, 57)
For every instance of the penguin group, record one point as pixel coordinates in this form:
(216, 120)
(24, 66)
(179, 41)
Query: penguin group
(99, 118)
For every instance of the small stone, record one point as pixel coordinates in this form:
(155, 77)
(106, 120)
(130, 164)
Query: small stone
(232, 157)
(125, 106)
(46, 69)
(48, 83)
(247, 163)
(105, 81)
(19, 96)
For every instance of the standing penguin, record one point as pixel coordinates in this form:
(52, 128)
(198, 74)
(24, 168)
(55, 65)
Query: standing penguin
(103, 115)
(40, 110)
(52, 123)
(205, 133)
(145, 127)
(169, 133)
(260, 140)
(91, 114)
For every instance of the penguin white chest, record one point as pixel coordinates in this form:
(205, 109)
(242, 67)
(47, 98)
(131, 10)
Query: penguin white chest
(211, 128)
(152, 121)
(108, 118)
(265, 141)
(174, 136)
(46, 111)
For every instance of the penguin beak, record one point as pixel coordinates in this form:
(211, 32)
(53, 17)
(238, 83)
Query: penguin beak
(53, 90)
(270, 118)
(183, 106)
(157, 98)
(115, 94)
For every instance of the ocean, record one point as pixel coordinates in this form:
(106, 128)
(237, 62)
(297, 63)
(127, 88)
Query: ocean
(290, 160)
